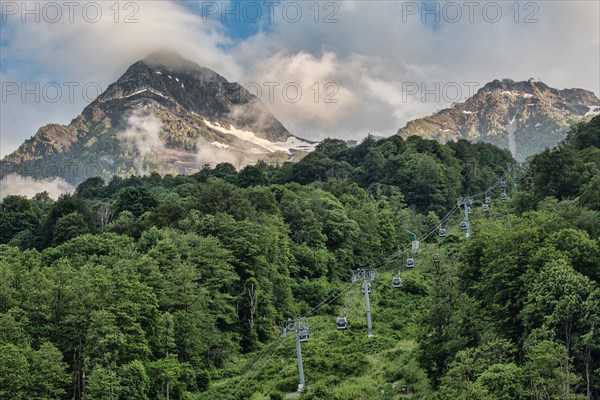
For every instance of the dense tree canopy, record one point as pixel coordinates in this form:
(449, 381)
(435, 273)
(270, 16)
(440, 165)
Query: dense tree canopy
(174, 287)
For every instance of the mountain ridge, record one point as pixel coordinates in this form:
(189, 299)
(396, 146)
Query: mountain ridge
(539, 115)
(169, 115)
(165, 114)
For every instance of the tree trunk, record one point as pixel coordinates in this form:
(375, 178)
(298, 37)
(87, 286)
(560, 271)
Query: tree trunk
(78, 373)
(253, 300)
(588, 362)
(567, 377)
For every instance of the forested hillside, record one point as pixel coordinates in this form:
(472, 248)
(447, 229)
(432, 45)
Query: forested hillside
(175, 287)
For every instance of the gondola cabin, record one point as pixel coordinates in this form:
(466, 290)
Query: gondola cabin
(341, 323)
(463, 226)
(442, 232)
(303, 335)
(397, 282)
(410, 263)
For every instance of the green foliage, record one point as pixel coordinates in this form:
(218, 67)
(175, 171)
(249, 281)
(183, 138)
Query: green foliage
(26, 373)
(68, 227)
(549, 376)
(17, 214)
(585, 135)
(504, 382)
(14, 370)
(91, 188)
(174, 287)
(134, 381)
(78, 220)
(253, 175)
(570, 170)
(103, 383)
(590, 195)
(136, 199)
(558, 173)
(332, 147)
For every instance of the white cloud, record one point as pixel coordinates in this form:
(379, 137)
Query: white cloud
(209, 154)
(370, 52)
(92, 55)
(15, 184)
(143, 132)
(302, 84)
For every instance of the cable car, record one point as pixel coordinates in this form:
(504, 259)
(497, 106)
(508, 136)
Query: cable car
(486, 207)
(488, 199)
(468, 210)
(369, 289)
(410, 263)
(397, 282)
(442, 232)
(503, 196)
(303, 335)
(502, 183)
(463, 226)
(341, 323)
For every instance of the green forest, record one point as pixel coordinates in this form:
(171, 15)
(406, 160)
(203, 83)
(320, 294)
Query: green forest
(176, 287)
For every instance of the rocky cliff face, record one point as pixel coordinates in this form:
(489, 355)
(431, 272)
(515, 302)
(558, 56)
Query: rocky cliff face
(525, 117)
(164, 114)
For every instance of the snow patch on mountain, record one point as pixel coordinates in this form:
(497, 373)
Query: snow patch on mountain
(291, 145)
(246, 136)
(511, 128)
(594, 110)
(220, 145)
(294, 143)
(156, 92)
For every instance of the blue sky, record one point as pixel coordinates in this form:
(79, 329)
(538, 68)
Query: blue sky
(244, 21)
(370, 50)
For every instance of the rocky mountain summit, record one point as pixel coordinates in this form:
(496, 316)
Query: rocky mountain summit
(164, 114)
(525, 117)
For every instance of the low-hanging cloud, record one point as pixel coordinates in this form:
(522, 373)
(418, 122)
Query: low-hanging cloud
(211, 155)
(94, 54)
(375, 48)
(306, 85)
(18, 185)
(143, 132)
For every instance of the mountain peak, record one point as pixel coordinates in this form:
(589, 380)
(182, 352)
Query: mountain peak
(166, 79)
(173, 62)
(162, 55)
(165, 114)
(523, 116)
(508, 84)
